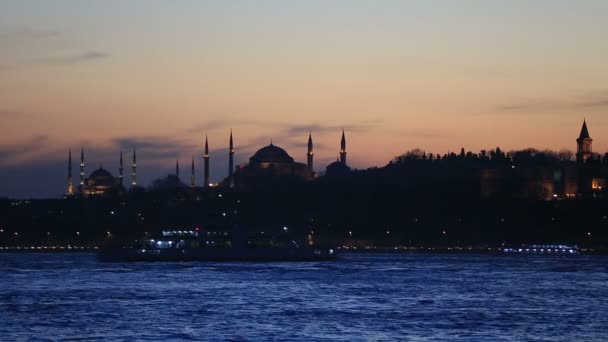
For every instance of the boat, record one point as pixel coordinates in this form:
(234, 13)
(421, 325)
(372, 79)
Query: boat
(542, 249)
(196, 245)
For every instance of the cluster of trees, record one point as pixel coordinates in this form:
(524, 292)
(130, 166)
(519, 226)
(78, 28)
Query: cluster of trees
(527, 156)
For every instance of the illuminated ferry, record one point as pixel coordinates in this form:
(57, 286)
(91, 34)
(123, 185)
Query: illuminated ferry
(195, 245)
(542, 249)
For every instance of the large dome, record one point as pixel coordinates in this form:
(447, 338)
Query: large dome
(337, 168)
(171, 182)
(101, 173)
(271, 154)
(101, 178)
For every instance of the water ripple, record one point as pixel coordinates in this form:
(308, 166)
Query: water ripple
(72, 297)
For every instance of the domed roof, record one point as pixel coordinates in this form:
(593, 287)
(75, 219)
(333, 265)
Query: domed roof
(337, 168)
(101, 178)
(271, 154)
(101, 173)
(170, 182)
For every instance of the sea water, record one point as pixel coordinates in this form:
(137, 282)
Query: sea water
(448, 297)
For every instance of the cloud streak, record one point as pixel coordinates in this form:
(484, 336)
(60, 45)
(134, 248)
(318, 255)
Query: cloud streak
(10, 154)
(26, 33)
(322, 128)
(590, 101)
(289, 129)
(155, 148)
(75, 58)
(599, 102)
(212, 125)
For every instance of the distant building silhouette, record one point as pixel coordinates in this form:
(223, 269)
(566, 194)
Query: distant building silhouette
(343, 149)
(134, 170)
(169, 183)
(99, 183)
(231, 162)
(206, 164)
(584, 141)
(192, 175)
(121, 170)
(537, 174)
(81, 184)
(310, 154)
(271, 164)
(339, 167)
(70, 189)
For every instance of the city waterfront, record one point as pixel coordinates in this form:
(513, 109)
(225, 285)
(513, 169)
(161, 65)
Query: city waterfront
(72, 296)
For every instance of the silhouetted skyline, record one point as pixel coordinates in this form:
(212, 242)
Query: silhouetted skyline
(434, 75)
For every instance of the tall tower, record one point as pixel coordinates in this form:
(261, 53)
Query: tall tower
(134, 170)
(70, 190)
(231, 160)
(206, 159)
(583, 151)
(81, 186)
(192, 177)
(121, 170)
(343, 149)
(309, 154)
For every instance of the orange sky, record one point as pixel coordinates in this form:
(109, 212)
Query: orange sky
(437, 75)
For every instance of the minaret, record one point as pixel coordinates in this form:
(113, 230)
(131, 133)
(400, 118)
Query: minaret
(70, 190)
(192, 177)
(206, 159)
(134, 170)
(584, 151)
(121, 170)
(231, 160)
(343, 149)
(309, 154)
(81, 186)
(177, 168)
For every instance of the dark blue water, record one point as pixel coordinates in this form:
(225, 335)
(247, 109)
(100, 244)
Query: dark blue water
(361, 297)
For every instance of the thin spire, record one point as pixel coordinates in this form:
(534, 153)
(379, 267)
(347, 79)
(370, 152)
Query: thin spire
(70, 163)
(231, 142)
(584, 141)
(134, 169)
(81, 168)
(206, 163)
(70, 190)
(584, 131)
(192, 176)
(121, 169)
(230, 159)
(206, 146)
(309, 142)
(310, 153)
(343, 148)
(177, 168)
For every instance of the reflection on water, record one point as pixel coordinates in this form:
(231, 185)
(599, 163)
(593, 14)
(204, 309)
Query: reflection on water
(360, 297)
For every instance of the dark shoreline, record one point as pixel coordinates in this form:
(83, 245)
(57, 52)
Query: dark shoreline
(374, 250)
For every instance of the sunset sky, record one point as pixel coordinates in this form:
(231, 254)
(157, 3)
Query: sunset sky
(396, 75)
